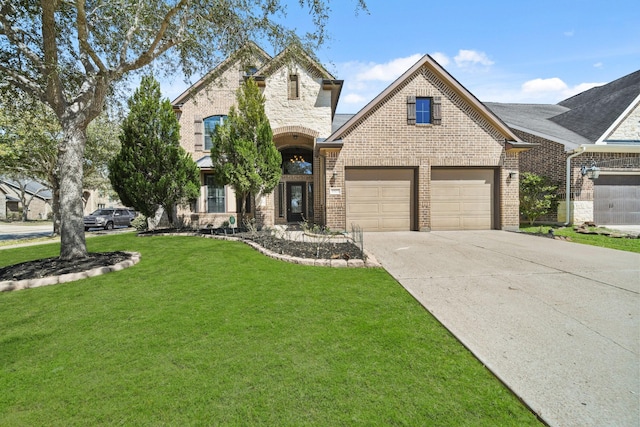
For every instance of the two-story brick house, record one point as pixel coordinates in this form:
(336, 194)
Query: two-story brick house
(425, 154)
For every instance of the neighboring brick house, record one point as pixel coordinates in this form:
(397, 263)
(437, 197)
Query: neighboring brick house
(37, 196)
(423, 155)
(598, 128)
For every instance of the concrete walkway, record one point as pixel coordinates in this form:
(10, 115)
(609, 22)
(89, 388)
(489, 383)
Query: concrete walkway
(558, 322)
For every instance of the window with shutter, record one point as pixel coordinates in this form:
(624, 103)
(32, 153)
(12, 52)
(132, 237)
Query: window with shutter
(211, 123)
(294, 87)
(437, 110)
(423, 111)
(411, 110)
(198, 130)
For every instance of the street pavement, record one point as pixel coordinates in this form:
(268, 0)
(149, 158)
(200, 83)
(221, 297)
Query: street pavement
(557, 322)
(13, 231)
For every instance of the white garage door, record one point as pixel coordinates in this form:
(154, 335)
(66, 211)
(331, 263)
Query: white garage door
(461, 199)
(379, 199)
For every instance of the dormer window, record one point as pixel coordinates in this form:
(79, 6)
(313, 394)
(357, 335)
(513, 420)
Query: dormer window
(294, 86)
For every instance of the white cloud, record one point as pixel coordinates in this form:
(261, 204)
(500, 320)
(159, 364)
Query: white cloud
(471, 58)
(388, 71)
(537, 86)
(441, 58)
(569, 33)
(598, 65)
(353, 98)
(554, 88)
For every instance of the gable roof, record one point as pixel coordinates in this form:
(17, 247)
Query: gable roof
(32, 188)
(294, 53)
(429, 62)
(248, 50)
(592, 112)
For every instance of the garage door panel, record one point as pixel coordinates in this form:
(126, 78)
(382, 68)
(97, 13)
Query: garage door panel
(379, 200)
(394, 208)
(462, 199)
(393, 224)
(363, 208)
(396, 192)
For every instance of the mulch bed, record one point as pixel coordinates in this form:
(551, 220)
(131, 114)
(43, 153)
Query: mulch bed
(55, 266)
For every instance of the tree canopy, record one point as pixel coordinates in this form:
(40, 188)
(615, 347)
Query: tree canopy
(243, 153)
(70, 53)
(151, 169)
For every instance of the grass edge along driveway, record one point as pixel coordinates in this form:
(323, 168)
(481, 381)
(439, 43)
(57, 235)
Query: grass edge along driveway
(207, 332)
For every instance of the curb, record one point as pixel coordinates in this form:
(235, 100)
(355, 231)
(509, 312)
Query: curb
(15, 285)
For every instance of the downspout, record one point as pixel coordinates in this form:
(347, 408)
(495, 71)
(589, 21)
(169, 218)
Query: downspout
(567, 197)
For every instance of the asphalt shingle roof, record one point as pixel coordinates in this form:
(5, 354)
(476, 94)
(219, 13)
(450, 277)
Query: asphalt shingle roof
(581, 119)
(592, 112)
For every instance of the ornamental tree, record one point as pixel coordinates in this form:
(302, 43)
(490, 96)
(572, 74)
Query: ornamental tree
(243, 153)
(69, 54)
(151, 169)
(537, 196)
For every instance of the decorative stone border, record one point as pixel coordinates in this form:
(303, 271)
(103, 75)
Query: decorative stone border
(370, 262)
(15, 285)
(335, 263)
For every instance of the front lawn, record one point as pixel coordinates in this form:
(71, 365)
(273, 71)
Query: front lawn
(622, 244)
(206, 332)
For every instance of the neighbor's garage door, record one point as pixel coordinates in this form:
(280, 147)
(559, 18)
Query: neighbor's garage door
(379, 199)
(616, 200)
(461, 199)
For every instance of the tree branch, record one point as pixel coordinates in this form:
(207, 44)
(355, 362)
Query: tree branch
(154, 51)
(83, 40)
(7, 29)
(53, 86)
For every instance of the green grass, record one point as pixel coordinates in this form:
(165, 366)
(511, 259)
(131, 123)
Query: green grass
(622, 244)
(206, 332)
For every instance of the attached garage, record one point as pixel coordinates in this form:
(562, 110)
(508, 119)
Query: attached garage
(380, 199)
(462, 199)
(616, 200)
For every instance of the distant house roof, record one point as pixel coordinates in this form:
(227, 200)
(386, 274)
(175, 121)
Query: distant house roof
(581, 119)
(31, 187)
(534, 119)
(339, 120)
(593, 111)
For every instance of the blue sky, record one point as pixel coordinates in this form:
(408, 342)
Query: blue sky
(518, 51)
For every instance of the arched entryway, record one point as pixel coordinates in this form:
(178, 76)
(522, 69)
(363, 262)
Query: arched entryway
(294, 197)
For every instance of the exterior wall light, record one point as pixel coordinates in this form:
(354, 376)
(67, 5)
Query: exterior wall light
(512, 174)
(335, 175)
(592, 172)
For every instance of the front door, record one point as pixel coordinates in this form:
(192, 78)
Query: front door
(295, 201)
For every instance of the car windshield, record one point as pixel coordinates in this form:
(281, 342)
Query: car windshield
(102, 212)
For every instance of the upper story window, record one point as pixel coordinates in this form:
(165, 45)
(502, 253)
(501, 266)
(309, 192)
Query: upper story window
(210, 125)
(294, 86)
(297, 161)
(424, 110)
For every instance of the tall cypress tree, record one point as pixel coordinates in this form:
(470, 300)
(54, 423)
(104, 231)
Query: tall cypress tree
(151, 169)
(243, 153)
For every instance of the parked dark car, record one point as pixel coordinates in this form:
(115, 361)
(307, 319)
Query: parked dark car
(108, 219)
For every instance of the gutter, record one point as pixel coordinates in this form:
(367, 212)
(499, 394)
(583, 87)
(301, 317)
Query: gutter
(567, 196)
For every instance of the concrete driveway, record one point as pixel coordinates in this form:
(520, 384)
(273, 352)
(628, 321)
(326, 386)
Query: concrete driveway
(557, 322)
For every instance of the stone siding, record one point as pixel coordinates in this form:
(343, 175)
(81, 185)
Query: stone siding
(629, 128)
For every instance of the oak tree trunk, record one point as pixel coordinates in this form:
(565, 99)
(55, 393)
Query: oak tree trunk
(70, 156)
